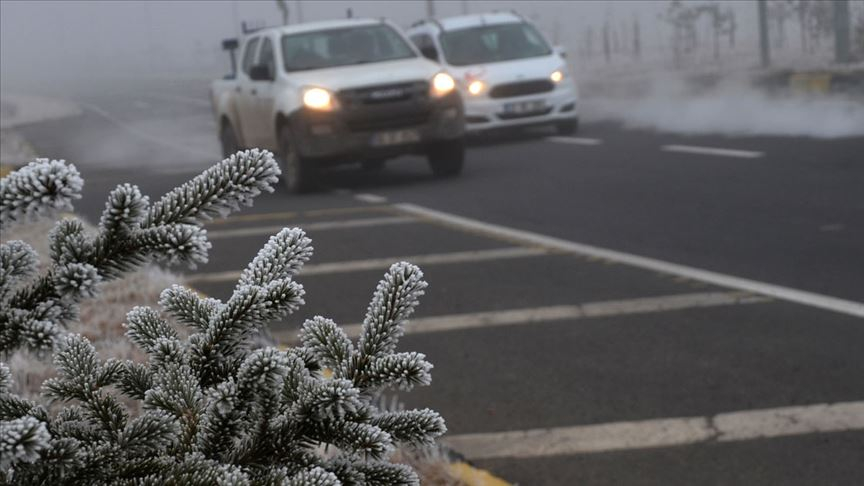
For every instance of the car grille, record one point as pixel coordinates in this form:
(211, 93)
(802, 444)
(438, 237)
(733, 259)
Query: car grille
(513, 116)
(521, 88)
(386, 106)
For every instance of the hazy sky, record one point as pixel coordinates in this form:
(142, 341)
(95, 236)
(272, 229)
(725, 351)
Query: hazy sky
(45, 40)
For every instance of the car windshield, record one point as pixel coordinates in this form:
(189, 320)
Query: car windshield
(343, 47)
(492, 43)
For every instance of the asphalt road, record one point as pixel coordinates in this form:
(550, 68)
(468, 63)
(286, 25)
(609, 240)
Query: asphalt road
(556, 365)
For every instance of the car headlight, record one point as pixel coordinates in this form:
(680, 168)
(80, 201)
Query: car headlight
(476, 87)
(557, 75)
(442, 84)
(319, 99)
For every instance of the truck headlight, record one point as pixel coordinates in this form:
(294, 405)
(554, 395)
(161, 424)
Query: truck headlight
(318, 99)
(442, 84)
(476, 87)
(557, 75)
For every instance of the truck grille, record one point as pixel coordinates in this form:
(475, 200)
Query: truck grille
(521, 88)
(386, 106)
(384, 94)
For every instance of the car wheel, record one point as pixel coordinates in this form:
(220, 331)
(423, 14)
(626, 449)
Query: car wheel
(228, 140)
(569, 127)
(446, 158)
(299, 174)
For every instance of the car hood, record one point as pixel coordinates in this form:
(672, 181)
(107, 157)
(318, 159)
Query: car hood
(509, 71)
(360, 75)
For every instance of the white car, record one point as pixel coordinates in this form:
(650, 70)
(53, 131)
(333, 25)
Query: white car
(326, 93)
(508, 73)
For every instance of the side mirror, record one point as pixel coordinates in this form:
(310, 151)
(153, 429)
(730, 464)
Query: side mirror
(429, 52)
(260, 72)
(561, 51)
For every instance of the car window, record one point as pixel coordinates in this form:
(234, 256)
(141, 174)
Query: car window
(342, 47)
(266, 56)
(493, 43)
(249, 54)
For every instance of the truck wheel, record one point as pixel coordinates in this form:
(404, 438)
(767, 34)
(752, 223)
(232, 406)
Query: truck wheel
(569, 127)
(228, 139)
(299, 174)
(447, 157)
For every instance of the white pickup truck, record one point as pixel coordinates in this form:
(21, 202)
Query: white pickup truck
(326, 93)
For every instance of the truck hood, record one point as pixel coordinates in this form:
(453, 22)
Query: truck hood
(360, 75)
(509, 71)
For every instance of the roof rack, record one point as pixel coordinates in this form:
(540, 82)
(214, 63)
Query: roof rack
(429, 21)
(247, 29)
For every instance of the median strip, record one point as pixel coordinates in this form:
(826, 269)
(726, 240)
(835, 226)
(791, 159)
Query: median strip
(308, 227)
(384, 263)
(692, 149)
(666, 432)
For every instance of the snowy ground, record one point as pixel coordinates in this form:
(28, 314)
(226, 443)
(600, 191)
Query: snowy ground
(20, 109)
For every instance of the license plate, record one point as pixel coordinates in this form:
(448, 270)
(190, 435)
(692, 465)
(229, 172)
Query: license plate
(395, 137)
(523, 107)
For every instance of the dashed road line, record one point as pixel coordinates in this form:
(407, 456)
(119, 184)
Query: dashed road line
(557, 244)
(511, 317)
(370, 198)
(308, 227)
(666, 432)
(384, 263)
(575, 140)
(692, 149)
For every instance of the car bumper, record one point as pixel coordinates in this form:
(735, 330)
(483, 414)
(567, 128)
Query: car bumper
(484, 113)
(342, 137)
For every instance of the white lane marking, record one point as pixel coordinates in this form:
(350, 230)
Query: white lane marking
(575, 140)
(811, 299)
(667, 432)
(474, 320)
(370, 198)
(384, 263)
(146, 136)
(317, 226)
(692, 149)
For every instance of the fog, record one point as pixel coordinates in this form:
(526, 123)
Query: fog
(47, 42)
(69, 48)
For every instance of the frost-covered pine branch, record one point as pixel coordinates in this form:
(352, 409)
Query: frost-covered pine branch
(131, 232)
(37, 190)
(217, 411)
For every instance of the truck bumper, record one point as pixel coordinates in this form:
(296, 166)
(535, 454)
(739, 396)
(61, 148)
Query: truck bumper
(339, 137)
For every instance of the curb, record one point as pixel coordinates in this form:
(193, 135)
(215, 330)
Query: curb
(473, 476)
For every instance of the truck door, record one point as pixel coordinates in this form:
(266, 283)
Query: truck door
(245, 98)
(265, 131)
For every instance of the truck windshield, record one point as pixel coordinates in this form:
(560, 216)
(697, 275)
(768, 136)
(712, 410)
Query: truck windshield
(343, 47)
(492, 43)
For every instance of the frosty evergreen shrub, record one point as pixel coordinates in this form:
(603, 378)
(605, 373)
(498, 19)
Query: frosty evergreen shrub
(131, 232)
(215, 409)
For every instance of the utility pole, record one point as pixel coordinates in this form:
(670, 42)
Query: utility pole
(430, 9)
(300, 11)
(841, 31)
(464, 7)
(763, 32)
